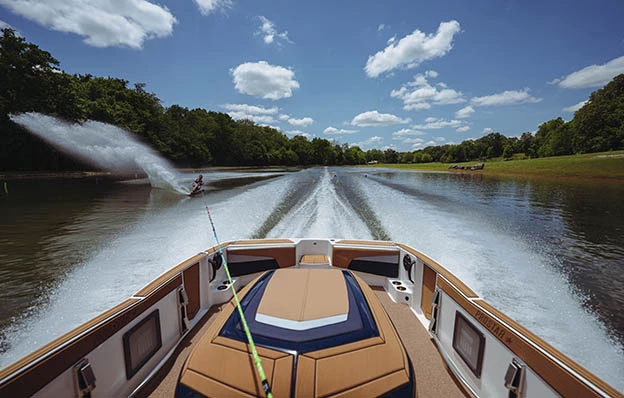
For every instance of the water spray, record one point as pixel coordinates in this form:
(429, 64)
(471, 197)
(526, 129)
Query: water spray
(104, 146)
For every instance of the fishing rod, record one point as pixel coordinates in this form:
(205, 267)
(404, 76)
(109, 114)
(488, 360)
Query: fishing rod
(254, 352)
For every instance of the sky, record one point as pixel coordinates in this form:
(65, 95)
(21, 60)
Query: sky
(378, 74)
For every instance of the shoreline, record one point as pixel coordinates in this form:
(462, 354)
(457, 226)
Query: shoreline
(601, 166)
(68, 175)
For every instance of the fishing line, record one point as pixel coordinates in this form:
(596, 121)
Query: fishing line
(252, 346)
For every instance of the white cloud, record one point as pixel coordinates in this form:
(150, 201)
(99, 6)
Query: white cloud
(554, 81)
(419, 94)
(594, 75)
(432, 123)
(102, 23)
(464, 112)
(511, 97)
(271, 126)
(270, 34)
(462, 129)
(575, 107)
(401, 134)
(208, 6)
(413, 140)
(391, 40)
(260, 119)
(255, 113)
(381, 27)
(298, 132)
(368, 143)
(486, 130)
(264, 80)
(250, 109)
(284, 117)
(440, 139)
(334, 131)
(413, 49)
(306, 121)
(374, 118)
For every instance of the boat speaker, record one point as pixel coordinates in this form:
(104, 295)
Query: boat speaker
(215, 262)
(408, 264)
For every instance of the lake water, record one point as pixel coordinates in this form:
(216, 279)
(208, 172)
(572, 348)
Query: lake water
(549, 253)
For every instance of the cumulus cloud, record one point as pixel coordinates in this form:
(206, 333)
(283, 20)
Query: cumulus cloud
(420, 94)
(208, 6)
(306, 121)
(250, 109)
(413, 140)
(269, 32)
(369, 143)
(401, 134)
(486, 130)
(255, 113)
(511, 97)
(575, 107)
(334, 131)
(593, 75)
(102, 23)
(260, 119)
(464, 112)
(374, 118)
(462, 129)
(413, 49)
(299, 132)
(284, 117)
(264, 80)
(391, 40)
(432, 123)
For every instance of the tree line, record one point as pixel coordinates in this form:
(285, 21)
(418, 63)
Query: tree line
(31, 81)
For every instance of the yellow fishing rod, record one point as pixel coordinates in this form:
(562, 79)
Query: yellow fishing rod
(254, 353)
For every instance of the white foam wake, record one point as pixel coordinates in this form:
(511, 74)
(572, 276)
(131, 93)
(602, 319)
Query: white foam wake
(159, 240)
(322, 214)
(504, 270)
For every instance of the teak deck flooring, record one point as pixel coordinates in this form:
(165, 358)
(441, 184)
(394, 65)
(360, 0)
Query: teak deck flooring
(432, 376)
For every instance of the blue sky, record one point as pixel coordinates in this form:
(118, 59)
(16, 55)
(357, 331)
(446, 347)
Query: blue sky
(402, 74)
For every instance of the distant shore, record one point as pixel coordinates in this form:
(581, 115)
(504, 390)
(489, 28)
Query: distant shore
(107, 175)
(596, 166)
(49, 175)
(603, 166)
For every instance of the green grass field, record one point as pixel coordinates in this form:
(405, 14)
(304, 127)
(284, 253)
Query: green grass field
(608, 165)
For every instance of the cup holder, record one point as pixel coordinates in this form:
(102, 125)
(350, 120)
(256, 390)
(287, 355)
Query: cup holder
(222, 287)
(401, 288)
(396, 283)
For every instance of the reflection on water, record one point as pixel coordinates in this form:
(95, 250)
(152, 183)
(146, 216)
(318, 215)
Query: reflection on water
(550, 253)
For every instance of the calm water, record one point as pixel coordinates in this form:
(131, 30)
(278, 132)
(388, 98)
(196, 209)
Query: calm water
(548, 253)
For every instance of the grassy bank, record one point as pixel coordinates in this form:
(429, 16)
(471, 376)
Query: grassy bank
(592, 165)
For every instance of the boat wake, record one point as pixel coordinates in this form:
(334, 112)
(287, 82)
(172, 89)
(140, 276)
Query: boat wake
(323, 213)
(502, 268)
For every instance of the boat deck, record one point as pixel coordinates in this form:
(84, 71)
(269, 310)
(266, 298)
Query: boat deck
(433, 377)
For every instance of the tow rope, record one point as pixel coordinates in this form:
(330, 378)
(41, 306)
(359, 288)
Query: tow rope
(254, 353)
